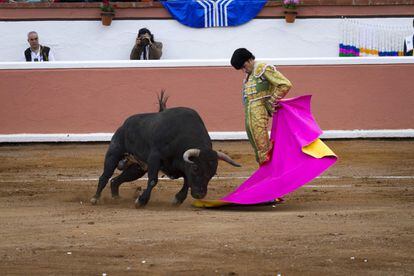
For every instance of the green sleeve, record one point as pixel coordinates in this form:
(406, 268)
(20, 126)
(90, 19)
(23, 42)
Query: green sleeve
(281, 85)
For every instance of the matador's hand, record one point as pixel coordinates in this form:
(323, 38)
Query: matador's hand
(274, 101)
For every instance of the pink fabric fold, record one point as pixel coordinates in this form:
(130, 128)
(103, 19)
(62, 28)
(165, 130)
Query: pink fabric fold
(293, 127)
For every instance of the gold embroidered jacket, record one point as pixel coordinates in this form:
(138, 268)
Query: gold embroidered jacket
(265, 82)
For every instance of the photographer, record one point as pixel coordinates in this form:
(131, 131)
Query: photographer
(145, 46)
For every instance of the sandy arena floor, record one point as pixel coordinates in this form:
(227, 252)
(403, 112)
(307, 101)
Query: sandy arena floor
(357, 219)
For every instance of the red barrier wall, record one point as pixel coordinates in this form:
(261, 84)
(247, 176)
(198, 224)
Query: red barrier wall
(345, 97)
(143, 10)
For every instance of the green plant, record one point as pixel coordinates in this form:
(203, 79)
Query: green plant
(290, 4)
(106, 6)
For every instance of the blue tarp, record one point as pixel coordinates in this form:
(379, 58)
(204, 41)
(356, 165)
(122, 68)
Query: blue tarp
(213, 13)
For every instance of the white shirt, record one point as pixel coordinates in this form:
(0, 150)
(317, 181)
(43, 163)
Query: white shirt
(36, 56)
(145, 53)
(409, 43)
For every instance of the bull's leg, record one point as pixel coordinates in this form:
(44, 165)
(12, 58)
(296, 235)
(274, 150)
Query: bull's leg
(182, 194)
(153, 168)
(131, 173)
(111, 161)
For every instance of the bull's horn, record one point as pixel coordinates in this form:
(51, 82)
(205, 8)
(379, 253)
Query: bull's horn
(225, 157)
(189, 153)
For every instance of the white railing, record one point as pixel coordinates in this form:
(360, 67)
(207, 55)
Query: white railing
(201, 62)
(225, 135)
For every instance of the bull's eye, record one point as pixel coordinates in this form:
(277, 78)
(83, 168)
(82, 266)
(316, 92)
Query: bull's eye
(195, 168)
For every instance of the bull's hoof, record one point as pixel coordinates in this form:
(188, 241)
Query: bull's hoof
(139, 202)
(177, 202)
(94, 200)
(116, 197)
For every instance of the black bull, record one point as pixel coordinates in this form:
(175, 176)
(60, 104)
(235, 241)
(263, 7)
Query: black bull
(174, 141)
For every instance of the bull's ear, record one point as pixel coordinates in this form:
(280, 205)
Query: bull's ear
(225, 157)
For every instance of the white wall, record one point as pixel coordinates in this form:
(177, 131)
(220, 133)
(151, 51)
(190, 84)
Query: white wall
(89, 40)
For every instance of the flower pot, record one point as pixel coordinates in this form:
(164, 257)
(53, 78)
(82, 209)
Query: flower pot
(290, 16)
(106, 18)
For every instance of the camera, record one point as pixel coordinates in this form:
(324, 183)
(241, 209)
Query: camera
(145, 41)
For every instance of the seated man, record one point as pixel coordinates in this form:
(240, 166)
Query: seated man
(145, 46)
(37, 52)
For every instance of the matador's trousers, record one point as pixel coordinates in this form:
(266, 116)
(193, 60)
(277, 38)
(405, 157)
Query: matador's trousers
(257, 118)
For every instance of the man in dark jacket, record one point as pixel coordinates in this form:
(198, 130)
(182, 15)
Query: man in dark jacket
(37, 52)
(145, 46)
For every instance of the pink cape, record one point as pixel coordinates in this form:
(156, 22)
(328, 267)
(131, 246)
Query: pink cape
(298, 156)
(293, 129)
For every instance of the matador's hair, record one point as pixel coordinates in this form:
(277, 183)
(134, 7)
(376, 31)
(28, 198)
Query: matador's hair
(240, 56)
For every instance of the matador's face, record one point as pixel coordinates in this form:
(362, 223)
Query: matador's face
(248, 66)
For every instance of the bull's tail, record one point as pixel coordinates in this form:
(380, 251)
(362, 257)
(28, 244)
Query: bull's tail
(162, 101)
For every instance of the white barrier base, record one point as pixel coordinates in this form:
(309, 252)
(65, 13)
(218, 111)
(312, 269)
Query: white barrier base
(231, 135)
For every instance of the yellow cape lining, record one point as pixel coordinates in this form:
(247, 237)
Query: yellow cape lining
(200, 203)
(318, 149)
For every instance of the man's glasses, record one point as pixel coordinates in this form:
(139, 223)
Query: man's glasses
(34, 39)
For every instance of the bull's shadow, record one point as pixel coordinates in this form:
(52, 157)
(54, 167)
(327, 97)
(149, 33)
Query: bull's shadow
(261, 207)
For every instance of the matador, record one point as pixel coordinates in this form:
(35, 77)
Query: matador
(263, 87)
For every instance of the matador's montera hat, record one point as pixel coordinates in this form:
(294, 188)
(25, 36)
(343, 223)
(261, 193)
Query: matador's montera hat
(240, 56)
